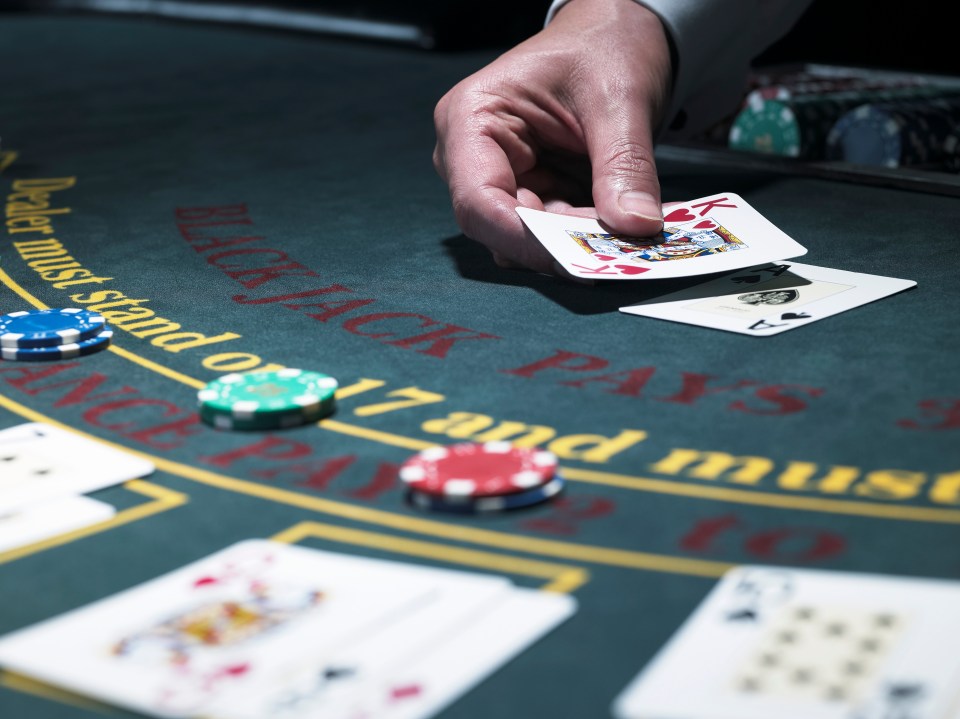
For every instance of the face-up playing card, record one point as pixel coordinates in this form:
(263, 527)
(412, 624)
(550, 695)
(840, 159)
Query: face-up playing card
(39, 462)
(769, 299)
(797, 644)
(37, 522)
(711, 234)
(313, 682)
(178, 645)
(427, 684)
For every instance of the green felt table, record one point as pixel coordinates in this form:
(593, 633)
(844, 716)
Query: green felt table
(234, 199)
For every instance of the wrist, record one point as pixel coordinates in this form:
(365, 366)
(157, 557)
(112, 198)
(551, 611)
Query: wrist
(626, 30)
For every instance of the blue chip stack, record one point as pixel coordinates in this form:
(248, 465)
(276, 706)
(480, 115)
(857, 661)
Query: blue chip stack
(798, 126)
(54, 334)
(951, 147)
(896, 134)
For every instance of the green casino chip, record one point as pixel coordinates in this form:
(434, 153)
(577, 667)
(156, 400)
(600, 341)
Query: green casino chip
(768, 127)
(266, 422)
(267, 400)
(798, 126)
(951, 148)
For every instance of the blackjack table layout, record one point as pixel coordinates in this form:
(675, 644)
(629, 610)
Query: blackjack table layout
(233, 200)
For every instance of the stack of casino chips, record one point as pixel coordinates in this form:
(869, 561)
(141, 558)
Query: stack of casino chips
(788, 85)
(52, 334)
(896, 134)
(827, 85)
(798, 125)
(259, 401)
(951, 149)
(473, 478)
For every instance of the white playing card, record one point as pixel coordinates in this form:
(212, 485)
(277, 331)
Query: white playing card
(798, 644)
(39, 462)
(175, 646)
(311, 682)
(769, 299)
(37, 522)
(426, 685)
(711, 234)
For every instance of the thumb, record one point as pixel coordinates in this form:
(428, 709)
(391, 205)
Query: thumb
(626, 191)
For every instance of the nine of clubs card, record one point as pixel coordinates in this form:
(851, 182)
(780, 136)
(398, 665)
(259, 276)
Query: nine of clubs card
(800, 644)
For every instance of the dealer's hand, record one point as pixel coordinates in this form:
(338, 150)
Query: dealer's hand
(584, 92)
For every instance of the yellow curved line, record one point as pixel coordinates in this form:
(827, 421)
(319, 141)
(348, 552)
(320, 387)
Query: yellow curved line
(162, 500)
(158, 368)
(670, 487)
(7, 158)
(15, 287)
(415, 525)
(29, 685)
(766, 499)
(374, 435)
(564, 577)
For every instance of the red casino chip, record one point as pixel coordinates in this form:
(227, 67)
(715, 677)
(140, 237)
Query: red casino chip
(470, 470)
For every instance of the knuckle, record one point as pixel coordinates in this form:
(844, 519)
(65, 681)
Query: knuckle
(465, 213)
(481, 121)
(629, 157)
(440, 112)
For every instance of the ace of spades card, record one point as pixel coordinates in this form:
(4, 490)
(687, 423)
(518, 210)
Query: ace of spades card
(711, 234)
(769, 299)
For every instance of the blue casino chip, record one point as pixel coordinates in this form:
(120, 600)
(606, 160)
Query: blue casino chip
(895, 134)
(51, 354)
(867, 135)
(481, 505)
(31, 329)
(951, 148)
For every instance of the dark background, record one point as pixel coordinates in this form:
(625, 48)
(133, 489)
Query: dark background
(881, 34)
(887, 35)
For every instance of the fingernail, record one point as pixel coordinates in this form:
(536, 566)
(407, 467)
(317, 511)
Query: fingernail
(640, 203)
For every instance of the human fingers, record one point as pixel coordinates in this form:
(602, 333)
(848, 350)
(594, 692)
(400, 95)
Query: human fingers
(618, 110)
(479, 155)
(626, 190)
